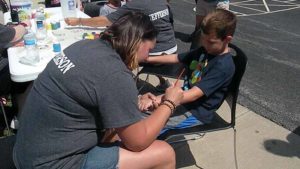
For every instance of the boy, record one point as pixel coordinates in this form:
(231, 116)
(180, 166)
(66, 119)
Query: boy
(209, 70)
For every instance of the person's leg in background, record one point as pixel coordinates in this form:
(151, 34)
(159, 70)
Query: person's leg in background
(192, 34)
(201, 11)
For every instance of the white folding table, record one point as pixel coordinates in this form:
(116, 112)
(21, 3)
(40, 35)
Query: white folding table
(22, 73)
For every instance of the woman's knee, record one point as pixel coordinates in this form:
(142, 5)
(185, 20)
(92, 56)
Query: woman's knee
(165, 150)
(158, 155)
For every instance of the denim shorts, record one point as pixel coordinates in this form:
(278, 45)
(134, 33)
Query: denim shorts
(104, 156)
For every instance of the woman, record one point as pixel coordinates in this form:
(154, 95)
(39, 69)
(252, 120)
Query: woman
(87, 91)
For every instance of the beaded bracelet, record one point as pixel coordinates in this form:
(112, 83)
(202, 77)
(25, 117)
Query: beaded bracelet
(171, 102)
(172, 109)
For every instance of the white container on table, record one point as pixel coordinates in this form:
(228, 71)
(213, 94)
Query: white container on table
(68, 8)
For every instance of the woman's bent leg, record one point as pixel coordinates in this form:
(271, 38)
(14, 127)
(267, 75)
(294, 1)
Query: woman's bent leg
(158, 155)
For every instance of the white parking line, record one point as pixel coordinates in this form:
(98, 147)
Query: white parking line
(266, 6)
(251, 4)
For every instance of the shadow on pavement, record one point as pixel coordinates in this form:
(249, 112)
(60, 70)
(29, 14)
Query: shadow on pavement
(184, 157)
(285, 148)
(297, 131)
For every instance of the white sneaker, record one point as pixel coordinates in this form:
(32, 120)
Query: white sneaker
(14, 124)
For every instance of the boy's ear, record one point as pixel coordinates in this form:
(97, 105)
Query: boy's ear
(228, 39)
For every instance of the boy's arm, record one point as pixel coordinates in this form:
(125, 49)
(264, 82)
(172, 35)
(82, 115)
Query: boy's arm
(188, 96)
(172, 58)
(98, 21)
(191, 95)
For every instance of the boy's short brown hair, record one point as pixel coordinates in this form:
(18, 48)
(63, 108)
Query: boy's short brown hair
(221, 22)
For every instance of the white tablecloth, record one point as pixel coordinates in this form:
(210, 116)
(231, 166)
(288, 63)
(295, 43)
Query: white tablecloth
(22, 73)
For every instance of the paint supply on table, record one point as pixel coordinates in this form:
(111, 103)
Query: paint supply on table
(90, 36)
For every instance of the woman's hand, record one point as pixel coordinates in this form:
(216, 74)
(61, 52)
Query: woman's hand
(72, 21)
(174, 94)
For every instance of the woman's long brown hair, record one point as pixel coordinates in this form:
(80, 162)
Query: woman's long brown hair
(127, 33)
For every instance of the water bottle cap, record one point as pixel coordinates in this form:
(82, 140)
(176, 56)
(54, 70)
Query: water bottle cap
(29, 42)
(56, 47)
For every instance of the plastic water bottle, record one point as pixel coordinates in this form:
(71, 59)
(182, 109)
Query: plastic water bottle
(58, 56)
(68, 8)
(32, 53)
(56, 47)
(41, 32)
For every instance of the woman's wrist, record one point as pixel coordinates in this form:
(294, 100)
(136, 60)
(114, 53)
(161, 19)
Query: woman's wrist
(169, 104)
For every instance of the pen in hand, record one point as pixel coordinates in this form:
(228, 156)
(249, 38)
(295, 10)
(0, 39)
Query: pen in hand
(179, 77)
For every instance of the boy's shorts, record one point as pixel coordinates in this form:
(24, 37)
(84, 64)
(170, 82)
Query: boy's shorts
(180, 119)
(203, 7)
(102, 156)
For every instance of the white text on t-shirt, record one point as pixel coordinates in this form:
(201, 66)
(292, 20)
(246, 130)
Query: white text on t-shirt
(63, 63)
(159, 14)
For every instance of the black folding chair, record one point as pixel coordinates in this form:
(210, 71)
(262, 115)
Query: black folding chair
(218, 123)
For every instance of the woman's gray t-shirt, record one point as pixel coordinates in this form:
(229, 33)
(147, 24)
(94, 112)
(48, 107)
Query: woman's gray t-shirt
(71, 102)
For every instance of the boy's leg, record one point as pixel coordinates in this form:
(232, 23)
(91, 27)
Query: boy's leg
(158, 155)
(182, 118)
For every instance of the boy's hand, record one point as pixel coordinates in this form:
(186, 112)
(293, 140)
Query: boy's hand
(148, 101)
(145, 104)
(72, 21)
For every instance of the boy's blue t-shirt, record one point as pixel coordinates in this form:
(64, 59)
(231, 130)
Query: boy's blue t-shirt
(212, 74)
